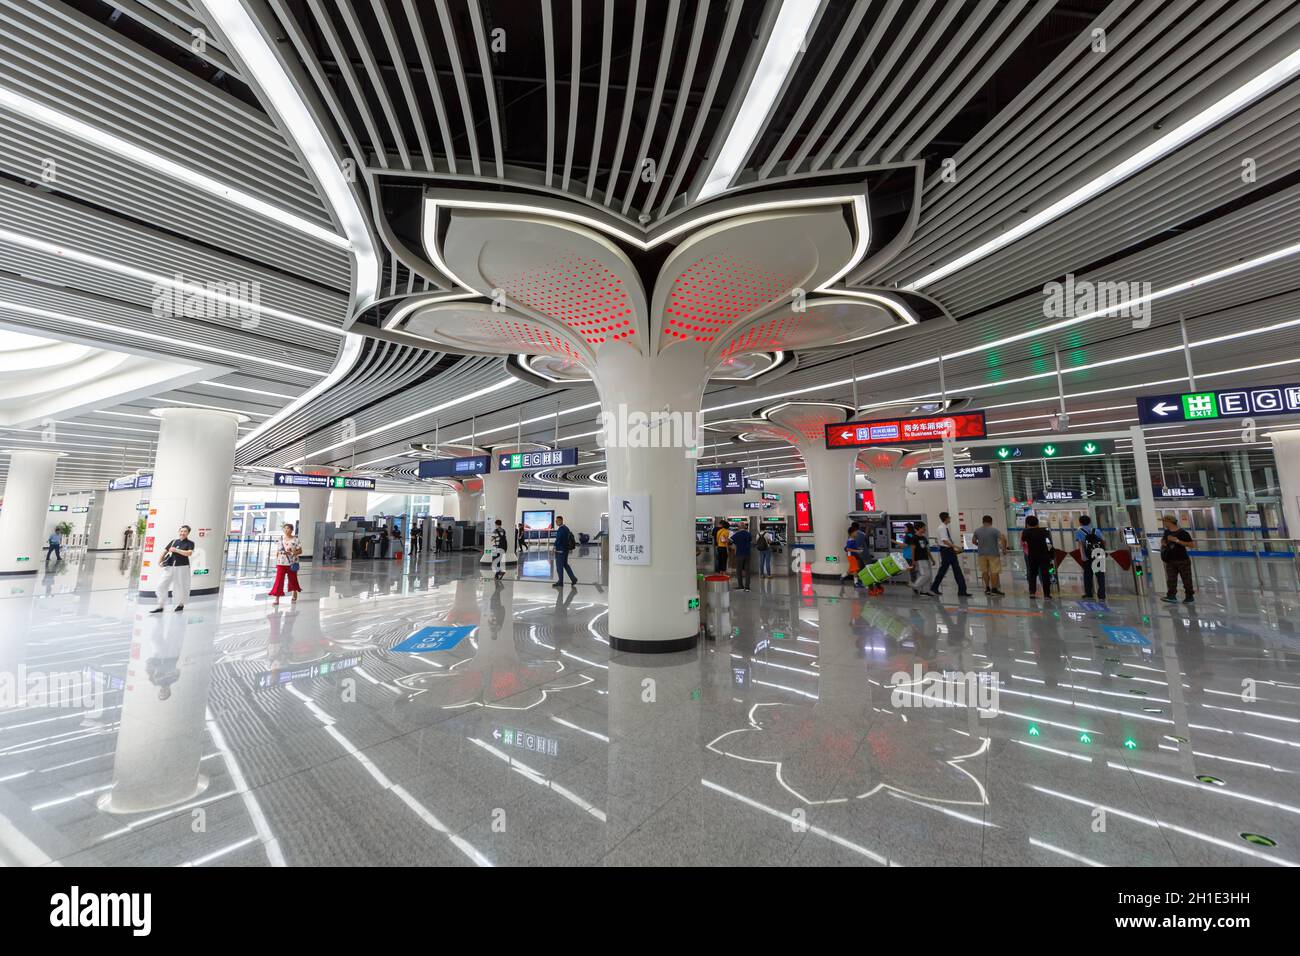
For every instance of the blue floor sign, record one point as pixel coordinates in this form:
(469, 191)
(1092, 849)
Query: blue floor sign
(1126, 635)
(429, 639)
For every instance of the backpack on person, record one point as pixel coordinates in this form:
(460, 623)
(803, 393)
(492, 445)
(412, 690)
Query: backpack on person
(761, 545)
(1092, 542)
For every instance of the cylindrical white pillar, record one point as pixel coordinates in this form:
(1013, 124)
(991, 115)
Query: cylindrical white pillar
(313, 504)
(160, 740)
(500, 500)
(650, 413)
(26, 503)
(830, 482)
(191, 485)
(1286, 451)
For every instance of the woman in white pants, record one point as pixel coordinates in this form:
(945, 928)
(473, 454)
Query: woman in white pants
(174, 574)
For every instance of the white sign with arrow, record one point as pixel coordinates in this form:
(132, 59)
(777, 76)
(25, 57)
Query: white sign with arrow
(630, 529)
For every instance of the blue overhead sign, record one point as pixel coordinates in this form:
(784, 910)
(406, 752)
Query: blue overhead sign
(456, 467)
(1225, 403)
(530, 460)
(962, 471)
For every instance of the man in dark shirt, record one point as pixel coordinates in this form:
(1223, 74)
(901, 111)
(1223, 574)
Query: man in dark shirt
(1174, 545)
(563, 545)
(741, 543)
(174, 570)
(1038, 556)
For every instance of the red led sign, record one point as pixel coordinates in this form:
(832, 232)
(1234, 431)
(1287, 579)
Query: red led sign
(906, 431)
(803, 512)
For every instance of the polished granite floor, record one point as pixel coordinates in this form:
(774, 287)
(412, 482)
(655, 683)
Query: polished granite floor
(235, 733)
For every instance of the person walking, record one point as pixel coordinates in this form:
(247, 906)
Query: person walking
(1037, 544)
(174, 575)
(852, 556)
(564, 543)
(1175, 543)
(1092, 549)
(521, 538)
(499, 545)
(908, 541)
(765, 545)
(286, 567)
(741, 543)
(948, 558)
(922, 559)
(721, 547)
(990, 545)
(417, 538)
(54, 547)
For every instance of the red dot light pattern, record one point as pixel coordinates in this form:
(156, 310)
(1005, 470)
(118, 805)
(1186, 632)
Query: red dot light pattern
(524, 337)
(713, 293)
(765, 336)
(579, 292)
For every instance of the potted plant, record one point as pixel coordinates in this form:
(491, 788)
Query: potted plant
(64, 528)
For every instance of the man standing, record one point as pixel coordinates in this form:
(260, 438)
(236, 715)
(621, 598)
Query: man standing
(741, 541)
(55, 544)
(499, 545)
(764, 546)
(990, 545)
(948, 558)
(1175, 542)
(1093, 552)
(563, 545)
(175, 570)
(721, 546)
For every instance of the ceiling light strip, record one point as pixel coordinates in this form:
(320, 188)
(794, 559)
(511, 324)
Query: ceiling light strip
(1264, 83)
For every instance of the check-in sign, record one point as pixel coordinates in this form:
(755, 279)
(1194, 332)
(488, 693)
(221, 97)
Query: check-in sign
(1225, 403)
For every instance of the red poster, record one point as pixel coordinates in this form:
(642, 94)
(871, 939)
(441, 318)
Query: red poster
(906, 431)
(803, 512)
(867, 500)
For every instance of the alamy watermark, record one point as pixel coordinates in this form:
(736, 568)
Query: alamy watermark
(74, 689)
(622, 428)
(1079, 297)
(978, 689)
(240, 300)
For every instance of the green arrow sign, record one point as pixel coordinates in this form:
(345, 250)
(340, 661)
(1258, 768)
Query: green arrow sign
(1004, 452)
(1049, 450)
(1090, 448)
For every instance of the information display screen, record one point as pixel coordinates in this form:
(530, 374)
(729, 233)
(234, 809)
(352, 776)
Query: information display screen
(906, 431)
(803, 522)
(539, 520)
(720, 481)
(754, 484)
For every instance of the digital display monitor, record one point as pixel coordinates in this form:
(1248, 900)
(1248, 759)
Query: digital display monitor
(456, 467)
(539, 520)
(906, 431)
(803, 522)
(720, 481)
(866, 499)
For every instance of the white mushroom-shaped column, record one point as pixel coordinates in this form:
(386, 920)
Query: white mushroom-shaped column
(649, 318)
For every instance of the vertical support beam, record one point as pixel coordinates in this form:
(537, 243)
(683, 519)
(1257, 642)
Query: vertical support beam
(1150, 519)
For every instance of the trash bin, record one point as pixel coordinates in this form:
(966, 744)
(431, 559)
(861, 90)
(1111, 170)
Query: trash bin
(716, 606)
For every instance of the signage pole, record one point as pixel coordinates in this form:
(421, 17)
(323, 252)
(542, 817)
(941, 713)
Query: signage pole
(1187, 354)
(1150, 521)
(853, 370)
(950, 482)
(1060, 382)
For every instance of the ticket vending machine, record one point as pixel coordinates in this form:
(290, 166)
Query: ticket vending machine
(876, 525)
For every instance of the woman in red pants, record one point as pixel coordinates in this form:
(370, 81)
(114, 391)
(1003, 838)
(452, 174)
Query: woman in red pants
(286, 567)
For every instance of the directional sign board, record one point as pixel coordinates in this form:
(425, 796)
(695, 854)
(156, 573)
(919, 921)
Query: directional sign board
(1178, 491)
(1227, 403)
(962, 471)
(1044, 449)
(630, 529)
(530, 460)
(456, 467)
(906, 431)
(753, 484)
